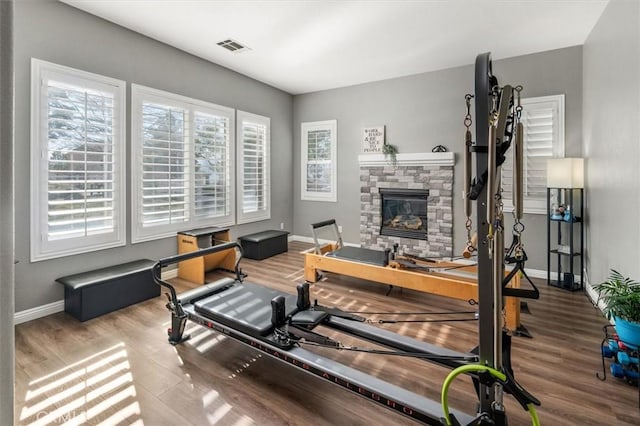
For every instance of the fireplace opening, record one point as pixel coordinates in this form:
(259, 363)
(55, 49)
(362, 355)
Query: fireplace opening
(404, 213)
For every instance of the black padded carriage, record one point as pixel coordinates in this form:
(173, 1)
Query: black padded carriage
(361, 255)
(245, 307)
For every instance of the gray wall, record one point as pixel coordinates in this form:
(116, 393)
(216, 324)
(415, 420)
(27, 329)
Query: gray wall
(7, 340)
(58, 33)
(612, 141)
(420, 112)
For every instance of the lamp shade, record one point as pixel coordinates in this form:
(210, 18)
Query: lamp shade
(565, 173)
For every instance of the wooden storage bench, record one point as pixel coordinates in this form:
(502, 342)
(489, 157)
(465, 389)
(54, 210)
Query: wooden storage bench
(93, 293)
(264, 244)
(194, 270)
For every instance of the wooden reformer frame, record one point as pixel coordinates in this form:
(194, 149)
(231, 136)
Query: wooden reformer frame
(438, 283)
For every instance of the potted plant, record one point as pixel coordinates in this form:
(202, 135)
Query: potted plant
(390, 153)
(621, 296)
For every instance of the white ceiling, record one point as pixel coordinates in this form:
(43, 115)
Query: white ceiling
(305, 46)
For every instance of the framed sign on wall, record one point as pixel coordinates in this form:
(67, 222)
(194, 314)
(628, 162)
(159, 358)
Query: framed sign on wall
(372, 139)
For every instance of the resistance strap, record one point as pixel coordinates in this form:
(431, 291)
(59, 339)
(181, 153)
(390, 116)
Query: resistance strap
(420, 355)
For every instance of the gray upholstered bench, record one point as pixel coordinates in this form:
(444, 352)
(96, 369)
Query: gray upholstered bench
(264, 244)
(93, 293)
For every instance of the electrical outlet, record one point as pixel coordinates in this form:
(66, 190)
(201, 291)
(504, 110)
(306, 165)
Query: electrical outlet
(340, 229)
(281, 225)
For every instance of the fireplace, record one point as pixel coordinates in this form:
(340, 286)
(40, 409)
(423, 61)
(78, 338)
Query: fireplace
(432, 170)
(403, 213)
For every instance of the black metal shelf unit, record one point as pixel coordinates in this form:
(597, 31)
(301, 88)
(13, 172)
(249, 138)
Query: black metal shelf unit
(565, 250)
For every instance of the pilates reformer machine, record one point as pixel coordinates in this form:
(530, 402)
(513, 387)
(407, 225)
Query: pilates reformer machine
(442, 278)
(284, 326)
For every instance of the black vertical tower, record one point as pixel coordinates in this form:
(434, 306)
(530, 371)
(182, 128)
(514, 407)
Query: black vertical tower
(484, 82)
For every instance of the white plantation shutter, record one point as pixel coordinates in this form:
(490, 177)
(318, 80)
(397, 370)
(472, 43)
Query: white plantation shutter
(319, 161)
(543, 120)
(78, 164)
(211, 166)
(254, 134)
(181, 164)
(164, 165)
(253, 172)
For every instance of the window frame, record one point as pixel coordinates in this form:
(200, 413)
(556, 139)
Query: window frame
(141, 94)
(539, 205)
(265, 213)
(306, 127)
(40, 246)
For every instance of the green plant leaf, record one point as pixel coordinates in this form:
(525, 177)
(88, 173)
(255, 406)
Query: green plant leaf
(621, 296)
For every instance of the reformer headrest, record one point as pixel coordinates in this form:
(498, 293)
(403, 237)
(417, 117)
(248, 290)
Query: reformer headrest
(308, 318)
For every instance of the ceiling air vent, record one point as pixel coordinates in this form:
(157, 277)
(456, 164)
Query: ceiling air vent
(233, 45)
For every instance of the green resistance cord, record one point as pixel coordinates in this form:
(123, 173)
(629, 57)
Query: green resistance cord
(535, 421)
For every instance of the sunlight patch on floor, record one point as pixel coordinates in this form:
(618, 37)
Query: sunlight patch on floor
(210, 342)
(210, 399)
(297, 273)
(245, 366)
(97, 389)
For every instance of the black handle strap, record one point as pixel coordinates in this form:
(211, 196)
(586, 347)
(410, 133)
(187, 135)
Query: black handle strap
(523, 293)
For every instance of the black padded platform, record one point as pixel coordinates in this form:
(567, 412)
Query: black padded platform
(97, 276)
(245, 307)
(360, 255)
(201, 232)
(93, 293)
(262, 245)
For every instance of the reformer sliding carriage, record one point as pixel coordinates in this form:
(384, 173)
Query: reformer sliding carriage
(279, 324)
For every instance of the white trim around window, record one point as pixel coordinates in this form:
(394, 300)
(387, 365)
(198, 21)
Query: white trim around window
(77, 161)
(253, 196)
(182, 164)
(318, 169)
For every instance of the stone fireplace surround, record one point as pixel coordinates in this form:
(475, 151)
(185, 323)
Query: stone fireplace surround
(432, 171)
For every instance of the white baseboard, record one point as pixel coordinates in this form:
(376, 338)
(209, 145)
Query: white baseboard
(58, 306)
(593, 295)
(536, 273)
(301, 238)
(595, 299)
(38, 312)
(167, 274)
(304, 239)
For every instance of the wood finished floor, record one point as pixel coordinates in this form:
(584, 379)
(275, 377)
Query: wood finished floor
(119, 368)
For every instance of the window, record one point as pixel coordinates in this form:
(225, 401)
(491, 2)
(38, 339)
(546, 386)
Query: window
(181, 164)
(77, 162)
(543, 121)
(319, 161)
(254, 192)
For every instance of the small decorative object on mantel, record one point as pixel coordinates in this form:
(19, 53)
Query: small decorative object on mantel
(439, 148)
(390, 153)
(373, 140)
